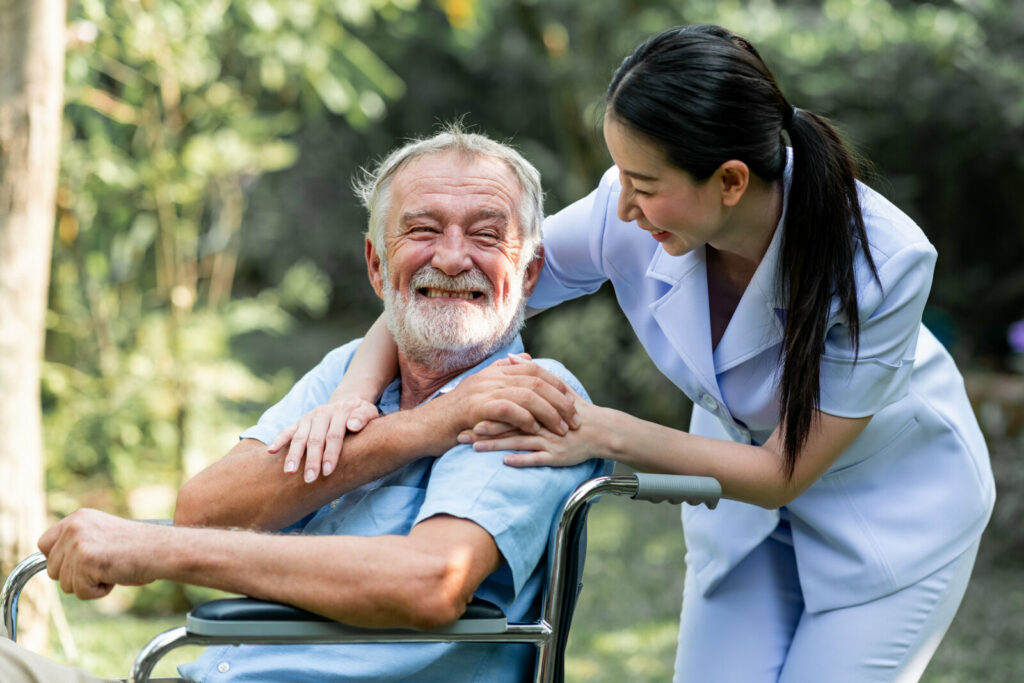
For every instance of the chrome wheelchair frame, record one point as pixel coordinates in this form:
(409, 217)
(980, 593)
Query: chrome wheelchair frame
(234, 621)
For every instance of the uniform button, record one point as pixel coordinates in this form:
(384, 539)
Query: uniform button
(709, 402)
(223, 667)
(334, 503)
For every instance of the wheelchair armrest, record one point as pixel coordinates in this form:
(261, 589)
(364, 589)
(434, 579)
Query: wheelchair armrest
(248, 617)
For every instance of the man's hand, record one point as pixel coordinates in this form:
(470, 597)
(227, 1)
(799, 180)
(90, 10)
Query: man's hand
(320, 434)
(90, 552)
(513, 394)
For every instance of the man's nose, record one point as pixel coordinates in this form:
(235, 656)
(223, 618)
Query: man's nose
(451, 252)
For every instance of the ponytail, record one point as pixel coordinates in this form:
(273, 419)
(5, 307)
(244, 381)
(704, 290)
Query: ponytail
(824, 226)
(705, 96)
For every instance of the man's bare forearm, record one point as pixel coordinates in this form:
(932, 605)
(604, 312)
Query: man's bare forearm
(248, 488)
(420, 580)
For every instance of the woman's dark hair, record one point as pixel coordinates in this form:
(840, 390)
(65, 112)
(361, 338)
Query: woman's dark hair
(705, 96)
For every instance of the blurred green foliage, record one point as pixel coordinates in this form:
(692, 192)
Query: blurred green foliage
(208, 246)
(173, 110)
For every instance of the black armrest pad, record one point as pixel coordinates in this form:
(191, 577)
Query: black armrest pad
(250, 609)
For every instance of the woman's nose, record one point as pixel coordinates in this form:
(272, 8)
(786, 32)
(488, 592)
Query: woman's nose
(628, 209)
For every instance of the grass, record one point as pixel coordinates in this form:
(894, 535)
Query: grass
(625, 625)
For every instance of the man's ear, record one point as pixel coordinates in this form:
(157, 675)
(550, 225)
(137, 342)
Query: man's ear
(735, 178)
(373, 269)
(533, 271)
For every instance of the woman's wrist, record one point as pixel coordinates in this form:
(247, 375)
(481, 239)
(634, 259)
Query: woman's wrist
(606, 431)
(365, 387)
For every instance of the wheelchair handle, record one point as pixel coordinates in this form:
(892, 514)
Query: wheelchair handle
(16, 580)
(677, 488)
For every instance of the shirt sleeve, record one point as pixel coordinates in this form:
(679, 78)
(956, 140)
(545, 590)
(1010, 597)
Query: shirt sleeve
(890, 321)
(309, 392)
(573, 243)
(516, 506)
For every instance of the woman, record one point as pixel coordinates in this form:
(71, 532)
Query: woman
(785, 299)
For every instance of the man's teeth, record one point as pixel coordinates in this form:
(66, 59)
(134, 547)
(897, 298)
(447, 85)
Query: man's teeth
(444, 293)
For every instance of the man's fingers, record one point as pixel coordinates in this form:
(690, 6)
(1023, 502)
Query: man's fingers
(559, 395)
(538, 399)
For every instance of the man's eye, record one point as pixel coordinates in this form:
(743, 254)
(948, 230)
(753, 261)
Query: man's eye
(423, 229)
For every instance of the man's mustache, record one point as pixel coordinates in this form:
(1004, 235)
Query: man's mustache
(428, 277)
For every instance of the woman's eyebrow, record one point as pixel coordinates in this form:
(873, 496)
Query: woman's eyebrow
(638, 176)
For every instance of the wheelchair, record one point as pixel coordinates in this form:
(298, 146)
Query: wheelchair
(235, 621)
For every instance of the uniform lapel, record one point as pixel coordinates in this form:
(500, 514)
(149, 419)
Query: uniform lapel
(756, 324)
(682, 313)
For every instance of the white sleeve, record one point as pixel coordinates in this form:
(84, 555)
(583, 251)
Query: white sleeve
(573, 244)
(890, 321)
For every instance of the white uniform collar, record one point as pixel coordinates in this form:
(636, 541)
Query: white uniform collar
(683, 315)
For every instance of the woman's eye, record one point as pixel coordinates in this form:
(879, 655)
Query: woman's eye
(642, 193)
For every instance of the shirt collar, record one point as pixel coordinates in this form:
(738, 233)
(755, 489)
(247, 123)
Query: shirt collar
(390, 399)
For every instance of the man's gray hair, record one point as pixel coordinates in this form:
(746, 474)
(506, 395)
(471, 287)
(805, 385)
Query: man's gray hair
(374, 187)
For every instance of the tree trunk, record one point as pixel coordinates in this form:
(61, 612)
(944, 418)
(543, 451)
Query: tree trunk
(32, 37)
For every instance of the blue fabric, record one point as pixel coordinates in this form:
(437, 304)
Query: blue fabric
(914, 490)
(516, 506)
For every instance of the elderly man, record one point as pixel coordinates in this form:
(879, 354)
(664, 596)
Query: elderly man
(395, 536)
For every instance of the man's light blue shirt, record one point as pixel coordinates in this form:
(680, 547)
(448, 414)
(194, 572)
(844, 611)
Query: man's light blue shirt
(516, 506)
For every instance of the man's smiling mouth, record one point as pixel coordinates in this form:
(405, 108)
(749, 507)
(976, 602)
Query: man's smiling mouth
(434, 293)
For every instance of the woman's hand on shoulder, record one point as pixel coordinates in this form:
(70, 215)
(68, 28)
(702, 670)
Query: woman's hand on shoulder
(318, 437)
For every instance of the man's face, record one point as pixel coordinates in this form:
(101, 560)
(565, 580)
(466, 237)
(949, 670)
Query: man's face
(453, 285)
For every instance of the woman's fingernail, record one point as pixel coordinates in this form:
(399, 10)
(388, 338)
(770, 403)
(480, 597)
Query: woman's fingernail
(290, 466)
(327, 468)
(310, 476)
(354, 425)
(464, 437)
(562, 427)
(577, 420)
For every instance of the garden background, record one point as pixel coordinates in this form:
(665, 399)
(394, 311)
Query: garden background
(207, 247)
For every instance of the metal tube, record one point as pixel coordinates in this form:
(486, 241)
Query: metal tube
(16, 580)
(621, 485)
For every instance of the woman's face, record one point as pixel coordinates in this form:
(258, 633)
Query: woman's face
(678, 212)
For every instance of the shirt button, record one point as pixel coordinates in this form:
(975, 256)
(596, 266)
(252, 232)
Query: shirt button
(334, 503)
(223, 667)
(709, 402)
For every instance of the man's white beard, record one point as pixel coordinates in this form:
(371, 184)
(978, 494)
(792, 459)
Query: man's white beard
(455, 336)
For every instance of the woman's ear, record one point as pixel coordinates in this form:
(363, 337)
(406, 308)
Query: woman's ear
(735, 177)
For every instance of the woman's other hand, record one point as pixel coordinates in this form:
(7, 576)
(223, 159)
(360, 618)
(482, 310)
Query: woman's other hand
(544, 447)
(320, 434)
